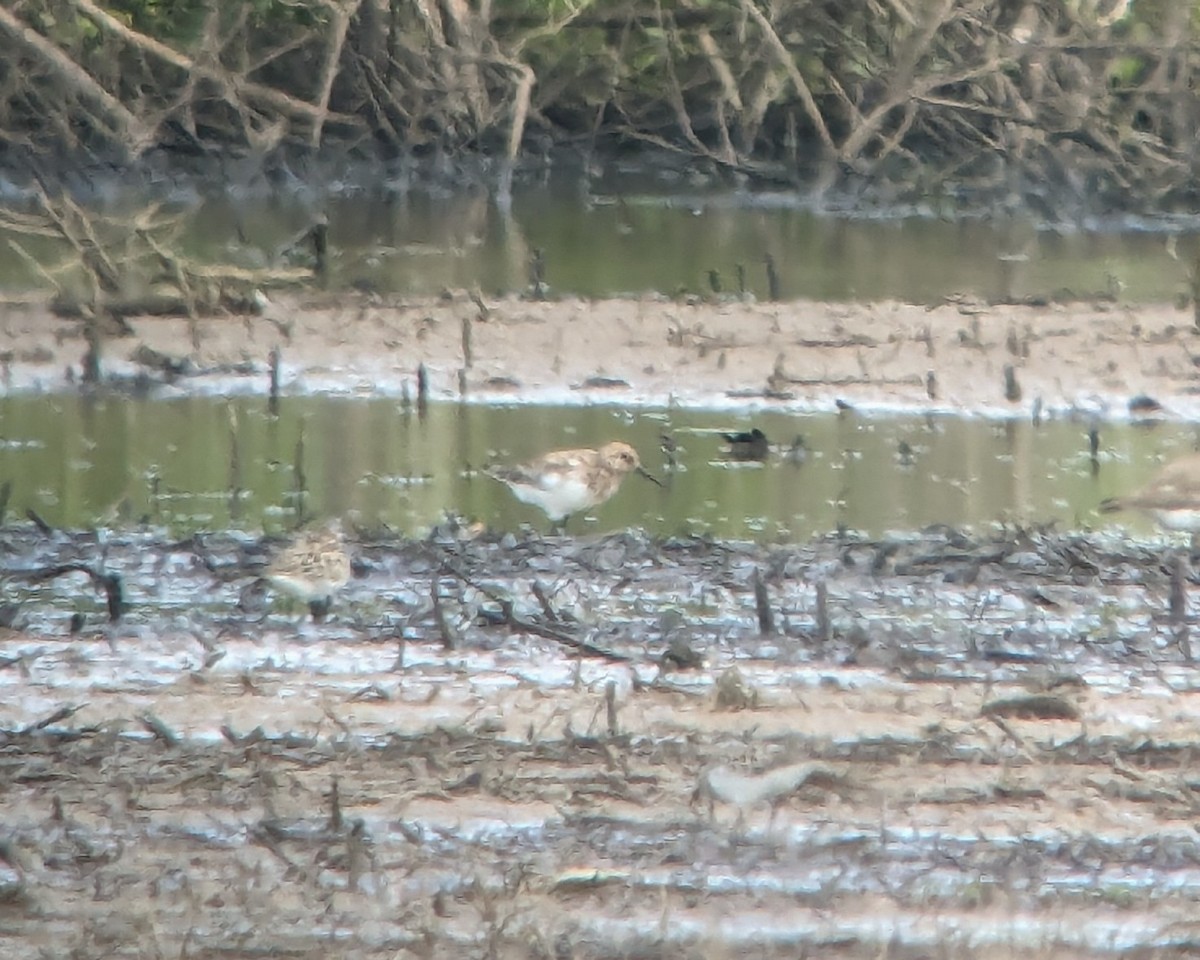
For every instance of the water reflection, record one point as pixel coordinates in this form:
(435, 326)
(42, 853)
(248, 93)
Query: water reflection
(632, 231)
(204, 463)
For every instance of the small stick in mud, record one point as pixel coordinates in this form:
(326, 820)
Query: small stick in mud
(160, 730)
(356, 854)
(1094, 448)
(773, 287)
(510, 619)
(91, 357)
(926, 337)
(714, 281)
(335, 807)
(1012, 389)
(422, 391)
(610, 702)
(484, 312)
(822, 612)
(109, 582)
(931, 388)
(468, 351)
(1178, 606)
(43, 527)
(538, 589)
(5, 496)
(741, 279)
(64, 712)
(319, 235)
(762, 603)
(446, 629)
(273, 391)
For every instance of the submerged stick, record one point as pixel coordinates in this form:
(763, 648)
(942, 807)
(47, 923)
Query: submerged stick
(537, 274)
(422, 391)
(43, 527)
(273, 390)
(299, 478)
(773, 287)
(235, 469)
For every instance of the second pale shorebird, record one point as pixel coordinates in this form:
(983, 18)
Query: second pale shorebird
(1171, 497)
(564, 482)
(313, 567)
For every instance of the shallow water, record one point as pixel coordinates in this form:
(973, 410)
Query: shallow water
(203, 463)
(632, 230)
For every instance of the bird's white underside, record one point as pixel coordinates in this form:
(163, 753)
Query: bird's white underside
(305, 588)
(557, 494)
(1182, 520)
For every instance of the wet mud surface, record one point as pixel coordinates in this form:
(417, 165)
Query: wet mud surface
(963, 355)
(615, 746)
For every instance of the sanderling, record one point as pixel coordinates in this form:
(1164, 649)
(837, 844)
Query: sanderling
(564, 482)
(1171, 497)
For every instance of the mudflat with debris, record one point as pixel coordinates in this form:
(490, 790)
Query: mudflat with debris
(598, 747)
(962, 355)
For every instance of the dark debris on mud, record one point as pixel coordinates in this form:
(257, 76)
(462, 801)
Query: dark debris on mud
(505, 745)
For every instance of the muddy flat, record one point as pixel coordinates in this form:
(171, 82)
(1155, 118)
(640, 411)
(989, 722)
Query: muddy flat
(1090, 356)
(609, 746)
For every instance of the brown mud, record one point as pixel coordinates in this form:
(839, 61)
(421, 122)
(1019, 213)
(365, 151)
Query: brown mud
(964, 356)
(499, 746)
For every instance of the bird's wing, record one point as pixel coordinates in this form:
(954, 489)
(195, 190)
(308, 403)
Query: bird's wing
(547, 472)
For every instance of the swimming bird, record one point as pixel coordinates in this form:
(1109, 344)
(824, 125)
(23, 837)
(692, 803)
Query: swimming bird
(748, 444)
(313, 567)
(564, 482)
(1172, 496)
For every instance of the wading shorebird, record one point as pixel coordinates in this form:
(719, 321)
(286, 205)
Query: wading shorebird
(313, 567)
(1171, 497)
(564, 482)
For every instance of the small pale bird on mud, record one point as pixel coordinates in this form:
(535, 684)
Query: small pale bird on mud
(1171, 497)
(564, 482)
(313, 567)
